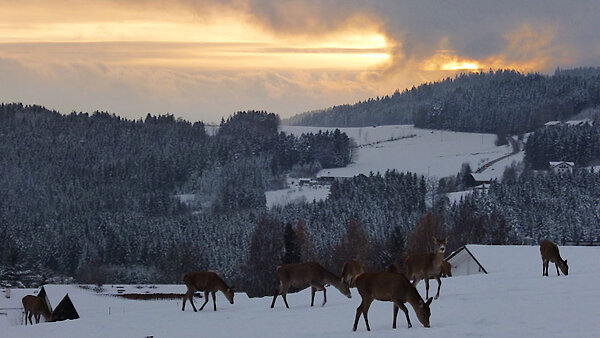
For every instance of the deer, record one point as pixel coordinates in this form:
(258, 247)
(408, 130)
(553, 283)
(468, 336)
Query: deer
(395, 268)
(206, 281)
(446, 269)
(426, 266)
(35, 307)
(391, 287)
(550, 253)
(350, 270)
(302, 275)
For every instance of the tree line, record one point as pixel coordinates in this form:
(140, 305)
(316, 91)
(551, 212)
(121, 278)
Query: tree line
(502, 101)
(578, 144)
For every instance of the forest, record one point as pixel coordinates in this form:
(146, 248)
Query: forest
(578, 144)
(502, 101)
(94, 198)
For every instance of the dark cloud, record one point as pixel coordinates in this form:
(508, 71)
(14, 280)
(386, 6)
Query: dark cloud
(470, 28)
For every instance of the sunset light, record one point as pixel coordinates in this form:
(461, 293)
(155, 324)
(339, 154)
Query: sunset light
(460, 66)
(291, 56)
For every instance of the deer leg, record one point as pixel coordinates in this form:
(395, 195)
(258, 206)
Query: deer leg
(365, 314)
(284, 296)
(357, 317)
(274, 298)
(30, 316)
(26, 317)
(395, 315)
(325, 296)
(543, 267)
(403, 307)
(185, 298)
(312, 297)
(426, 288)
(205, 300)
(214, 297)
(439, 280)
(556, 266)
(191, 298)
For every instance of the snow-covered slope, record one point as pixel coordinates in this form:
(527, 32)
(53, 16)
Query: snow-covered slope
(436, 153)
(512, 300)
(406, 148)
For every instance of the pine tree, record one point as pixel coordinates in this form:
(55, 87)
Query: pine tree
(292, 247)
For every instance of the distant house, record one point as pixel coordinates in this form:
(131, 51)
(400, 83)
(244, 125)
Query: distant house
(552, 123)
(304, 181)
(576, 123)
(562, 167)
(463, 263)
(579, 123)
(481, 178)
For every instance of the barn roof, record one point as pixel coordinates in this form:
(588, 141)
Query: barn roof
(462, 255)
(557, 163)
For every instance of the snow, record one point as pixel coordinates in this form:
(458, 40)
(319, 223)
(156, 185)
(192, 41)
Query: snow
(429, 152)
(457, 196)
(296, 194)
(437, 153)
(496, 170)
(512, 300)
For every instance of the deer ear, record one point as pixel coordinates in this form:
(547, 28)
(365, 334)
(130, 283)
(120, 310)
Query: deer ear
(446, 240)
(565, 261)
(429, 301)
(434, 239)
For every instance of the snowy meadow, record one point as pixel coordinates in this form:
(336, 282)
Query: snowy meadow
(513, 299)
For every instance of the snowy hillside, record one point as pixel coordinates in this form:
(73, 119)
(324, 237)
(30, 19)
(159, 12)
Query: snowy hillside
(436, 153)
(512, 300)
(406, 148)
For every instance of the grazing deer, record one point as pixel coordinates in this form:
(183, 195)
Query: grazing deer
(446, 269)
(350, 270)
(550, 253)
(301, 275)
(425, 266)
(206, 281)
(34, 306)
(390, 287)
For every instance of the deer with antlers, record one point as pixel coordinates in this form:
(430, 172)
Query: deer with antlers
(302, 275)
(426, 266)
(390, 287)
(35, 307)
(550, 253)
(206, 281)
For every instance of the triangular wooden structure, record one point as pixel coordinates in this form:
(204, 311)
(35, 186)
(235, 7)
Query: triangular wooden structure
(44, 297)
(65, 310)
(463, 262)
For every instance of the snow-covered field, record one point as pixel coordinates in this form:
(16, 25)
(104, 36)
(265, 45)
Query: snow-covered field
(436, 153)
(512, 300)
(406, 148)
(296, 194)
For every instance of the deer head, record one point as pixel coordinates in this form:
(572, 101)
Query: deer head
(345, 289)
(229, 294)
(423, 312)
(563, 266)
(440, 244)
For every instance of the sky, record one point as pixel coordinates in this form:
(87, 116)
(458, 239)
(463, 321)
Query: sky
(204, 60)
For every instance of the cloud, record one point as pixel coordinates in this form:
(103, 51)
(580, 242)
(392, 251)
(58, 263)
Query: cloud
(205, 59)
